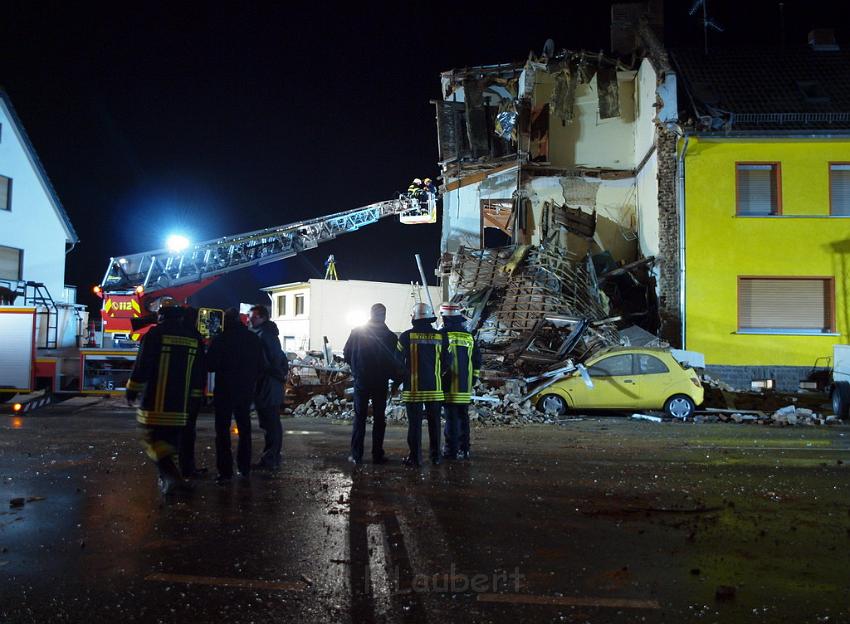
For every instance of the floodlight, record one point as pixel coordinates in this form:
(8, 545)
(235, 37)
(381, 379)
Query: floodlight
(177, 243)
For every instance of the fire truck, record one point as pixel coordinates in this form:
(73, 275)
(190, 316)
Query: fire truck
(134, 285)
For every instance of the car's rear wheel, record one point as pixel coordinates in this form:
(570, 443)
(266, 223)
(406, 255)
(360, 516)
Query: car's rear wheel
(680, 406)
(841, 399)
(552, 403)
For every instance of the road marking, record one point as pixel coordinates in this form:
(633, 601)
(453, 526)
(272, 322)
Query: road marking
(769, 448)
(570, 601)
(188, 579)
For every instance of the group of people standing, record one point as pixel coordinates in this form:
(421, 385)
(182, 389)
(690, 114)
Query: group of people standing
(436, 369)
(170, 376)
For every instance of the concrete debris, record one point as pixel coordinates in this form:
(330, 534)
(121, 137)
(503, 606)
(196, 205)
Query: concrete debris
(655, 419)
(492, 407)
(511, 292)
(789, 415)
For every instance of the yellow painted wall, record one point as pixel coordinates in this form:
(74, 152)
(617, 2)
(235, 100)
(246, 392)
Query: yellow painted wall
(720, 246)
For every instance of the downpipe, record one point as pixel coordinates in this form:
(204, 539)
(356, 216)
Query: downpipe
(680, 201)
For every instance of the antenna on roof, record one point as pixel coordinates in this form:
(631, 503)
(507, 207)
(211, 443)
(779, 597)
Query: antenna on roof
(707, 22)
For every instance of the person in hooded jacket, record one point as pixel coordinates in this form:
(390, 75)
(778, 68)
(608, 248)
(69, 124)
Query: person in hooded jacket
(371, 352)
(270, 389)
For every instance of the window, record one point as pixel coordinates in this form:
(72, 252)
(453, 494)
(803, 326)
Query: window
(289, 343)
(650, 365)
(299, 305)
(5, 193)
(786, 304)
(758, 189)
(281, 305)
(839, 189)
(610, 366)
(11, 263)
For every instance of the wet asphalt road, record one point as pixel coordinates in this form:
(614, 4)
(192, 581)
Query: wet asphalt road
(602, 520)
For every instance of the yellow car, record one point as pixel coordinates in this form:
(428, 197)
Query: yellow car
(627, 378)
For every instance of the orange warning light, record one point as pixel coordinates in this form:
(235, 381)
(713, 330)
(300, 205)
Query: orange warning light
(17, 407)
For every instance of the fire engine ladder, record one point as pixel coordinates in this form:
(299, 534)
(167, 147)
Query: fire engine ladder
(36, 294)
(156, 270)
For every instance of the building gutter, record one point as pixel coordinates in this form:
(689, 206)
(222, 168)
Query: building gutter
(680, 201)
(772, 134)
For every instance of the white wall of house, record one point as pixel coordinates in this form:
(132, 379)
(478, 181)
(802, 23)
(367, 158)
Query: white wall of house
(645, 109)
(461, 219)
(294, 327)
(338, 306)
(646, 182)
(587, 140)
(334, 307)
(33, 223)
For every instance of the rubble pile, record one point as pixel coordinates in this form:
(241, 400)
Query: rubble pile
(499, 406)
(513, 291)
(789, 415)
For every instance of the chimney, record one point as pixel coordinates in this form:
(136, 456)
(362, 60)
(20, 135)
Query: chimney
(823, 40)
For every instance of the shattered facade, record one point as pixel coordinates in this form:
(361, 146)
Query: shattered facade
(560, 155)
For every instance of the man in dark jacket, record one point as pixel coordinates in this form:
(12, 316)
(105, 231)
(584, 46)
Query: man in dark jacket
(371, 352)
(168, 373)
(270, 388)
(236, 358)
(424, 355)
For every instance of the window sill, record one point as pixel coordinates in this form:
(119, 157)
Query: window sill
(783, 332)
(784, 216)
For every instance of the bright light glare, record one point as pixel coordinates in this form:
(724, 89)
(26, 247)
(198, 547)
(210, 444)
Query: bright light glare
(176, 243)
(355, 318)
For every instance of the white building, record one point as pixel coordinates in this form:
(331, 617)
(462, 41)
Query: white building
(306, 312)
(35, 234)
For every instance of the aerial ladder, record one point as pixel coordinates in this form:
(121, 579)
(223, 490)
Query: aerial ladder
(132, 283)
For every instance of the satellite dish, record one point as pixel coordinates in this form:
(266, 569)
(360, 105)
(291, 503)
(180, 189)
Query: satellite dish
(549, 49)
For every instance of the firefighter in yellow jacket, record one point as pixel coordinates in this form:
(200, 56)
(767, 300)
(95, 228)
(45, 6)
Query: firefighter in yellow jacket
(423, 355)
(458, 381)
(168, 374)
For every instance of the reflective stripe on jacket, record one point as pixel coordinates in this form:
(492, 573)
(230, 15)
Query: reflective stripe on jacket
(423, 354)
(168, 372)
(465, 365)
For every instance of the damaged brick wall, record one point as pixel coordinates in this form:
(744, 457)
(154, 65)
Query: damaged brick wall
(668, 244)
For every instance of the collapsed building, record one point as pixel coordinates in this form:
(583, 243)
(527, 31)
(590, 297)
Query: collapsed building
(558, 186)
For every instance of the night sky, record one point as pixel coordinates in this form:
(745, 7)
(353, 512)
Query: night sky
(217, 119)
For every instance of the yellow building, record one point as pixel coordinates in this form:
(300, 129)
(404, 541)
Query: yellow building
(765, 205)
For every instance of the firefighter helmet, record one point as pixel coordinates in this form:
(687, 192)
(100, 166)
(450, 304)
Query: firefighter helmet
(450, 309)
(417, 181)
(422, 311)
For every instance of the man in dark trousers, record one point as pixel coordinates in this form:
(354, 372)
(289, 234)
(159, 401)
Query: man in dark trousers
(371, 352)
(187, 439)
(458, 381)
(423, 353)
(236, 358)
(270, 388)
(168, 374)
